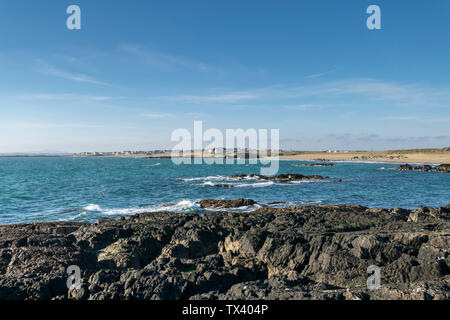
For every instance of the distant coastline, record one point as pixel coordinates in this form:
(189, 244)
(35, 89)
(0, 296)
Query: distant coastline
(37, 155)
(419, 156)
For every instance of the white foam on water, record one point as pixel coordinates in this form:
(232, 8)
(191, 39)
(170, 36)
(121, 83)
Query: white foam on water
(383, 168)
(255, 185)
(78, 216)
(181, 206)
(242, 182)
(93, 207)
(218, 178)
(303, 181)
(249, 208)
(153, 165)
(204, 178)
(293, 204)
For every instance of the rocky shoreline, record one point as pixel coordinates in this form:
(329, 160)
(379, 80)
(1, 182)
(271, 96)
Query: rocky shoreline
(444, 168)
(280, 178)
(310, 252)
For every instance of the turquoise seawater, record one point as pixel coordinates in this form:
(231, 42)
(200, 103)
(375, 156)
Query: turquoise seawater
(84, 189)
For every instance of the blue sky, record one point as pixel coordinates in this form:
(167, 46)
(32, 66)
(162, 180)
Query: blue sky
(137, 70)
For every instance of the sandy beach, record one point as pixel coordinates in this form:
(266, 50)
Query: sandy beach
(428, 156)
(425, 156)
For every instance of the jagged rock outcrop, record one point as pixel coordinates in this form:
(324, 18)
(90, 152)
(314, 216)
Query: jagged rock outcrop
(316, 165)
(312, 252)
(212, 203)
(444, 168)
(286, 177)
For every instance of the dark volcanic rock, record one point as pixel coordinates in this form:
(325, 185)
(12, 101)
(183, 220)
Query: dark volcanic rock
(316, 165)
(445, 168)
(209, 203)
(289, 177)
(313, 252)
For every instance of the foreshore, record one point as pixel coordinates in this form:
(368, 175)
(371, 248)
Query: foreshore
(432, 156)
(414, 156)
(310, 252)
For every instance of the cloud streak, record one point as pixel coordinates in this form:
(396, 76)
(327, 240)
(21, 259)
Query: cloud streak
(53, 71)
(418, 119)
(39, 125)
(165, 61)
(337, 93)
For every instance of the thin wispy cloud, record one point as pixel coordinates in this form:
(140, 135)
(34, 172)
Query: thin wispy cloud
(302, 107)
(318, 75)
(39, 125)
(165, 61)
(53, 71)
(352, 141)
(223, 98)
(163, 115)
(157, 115)
(316, 106)
(418, 119)
(62, 96)
(333, 93)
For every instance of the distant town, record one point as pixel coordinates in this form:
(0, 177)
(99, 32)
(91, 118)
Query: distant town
(429, 155)
(121, 153)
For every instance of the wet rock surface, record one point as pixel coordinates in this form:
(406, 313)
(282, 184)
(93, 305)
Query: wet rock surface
(288, 177)
(211, 203)
(444, 168)
(312, 252)
(223, 186)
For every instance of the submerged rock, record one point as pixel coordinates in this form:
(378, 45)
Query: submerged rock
(307, 252)
(223, 186)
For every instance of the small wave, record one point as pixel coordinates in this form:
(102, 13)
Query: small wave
(204, 178)
(305, 181)
(217, 178)
(249, 208)
(298, 182)
(244, 181)
(152, 165)
(240, 185)
(187, 206)
(77, 217)
(384, 168)
(93, 207)
(292, 204)
(256, 184)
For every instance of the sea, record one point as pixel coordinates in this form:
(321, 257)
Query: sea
(42, 189)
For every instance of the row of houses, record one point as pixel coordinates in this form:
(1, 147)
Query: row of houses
(120, 153)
